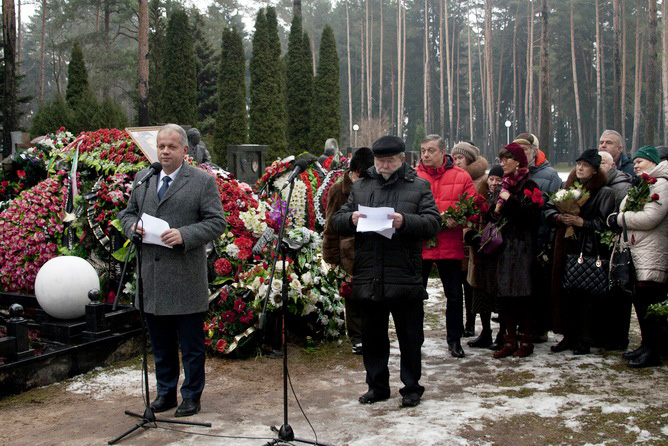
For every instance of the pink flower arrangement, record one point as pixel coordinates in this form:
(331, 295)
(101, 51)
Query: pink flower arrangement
(31, 229)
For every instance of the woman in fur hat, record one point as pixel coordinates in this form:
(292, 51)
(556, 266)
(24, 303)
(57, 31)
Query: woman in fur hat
(574, 312)
(467, 157)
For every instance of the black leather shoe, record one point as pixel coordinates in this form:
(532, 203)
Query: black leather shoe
(482, 341)
(372, 396)
(633, 354)
(456, 350)
(561, 346)
(188, 407)
(498, 343)
(581, 349)
(410, 400)
(647, 359)
(163, 403)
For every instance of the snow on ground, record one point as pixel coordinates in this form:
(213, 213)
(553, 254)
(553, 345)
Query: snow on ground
(464, 398)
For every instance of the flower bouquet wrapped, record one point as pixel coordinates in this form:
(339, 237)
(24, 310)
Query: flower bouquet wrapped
(570, 201)
(639, 195)
(466, 212)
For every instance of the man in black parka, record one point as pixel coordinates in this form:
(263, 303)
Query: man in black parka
(387, 274)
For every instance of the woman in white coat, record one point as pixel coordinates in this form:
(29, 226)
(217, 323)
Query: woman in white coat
(647, 227)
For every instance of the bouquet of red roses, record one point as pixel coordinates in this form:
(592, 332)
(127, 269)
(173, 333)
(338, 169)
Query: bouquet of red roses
(639, 195)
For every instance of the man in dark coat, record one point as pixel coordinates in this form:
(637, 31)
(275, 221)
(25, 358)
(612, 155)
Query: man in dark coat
(339, 250)
(618, 181)
(175, 277)
(613, 143)
(387, 274)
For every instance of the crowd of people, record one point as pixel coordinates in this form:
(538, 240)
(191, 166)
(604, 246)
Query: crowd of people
(516, 256)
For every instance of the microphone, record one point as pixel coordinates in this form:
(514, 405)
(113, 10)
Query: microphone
(300, 166)
(153, 170)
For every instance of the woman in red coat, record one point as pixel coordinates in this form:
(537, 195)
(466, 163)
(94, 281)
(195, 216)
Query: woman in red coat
(448, 184)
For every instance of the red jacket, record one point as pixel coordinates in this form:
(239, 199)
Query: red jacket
(447, 185)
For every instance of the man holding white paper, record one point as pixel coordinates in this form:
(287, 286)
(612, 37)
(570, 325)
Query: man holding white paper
(175, 277)
(387, 273)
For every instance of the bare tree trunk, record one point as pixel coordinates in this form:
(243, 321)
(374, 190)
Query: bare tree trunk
(528, 97)
(623, 82)
(425, 68)
(448, 73)
(483, 89)
(545, 116)
(513, 117)
(578, 114)
(599, 63)
(500, 81)
(18, 33)
(42, 63)
(142, 64)
(441, 66)
(350, 81)
(491, 118)
(617, 86)
(470, 77)
(652, 86)
(369, 62)
(9, 105)
(637, 108)
(363, 48)
(401, 65)
(457, 67)
(380, 63)
(664, 72)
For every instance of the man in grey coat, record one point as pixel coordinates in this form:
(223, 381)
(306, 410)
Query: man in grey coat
(618, 181)
(175, 277)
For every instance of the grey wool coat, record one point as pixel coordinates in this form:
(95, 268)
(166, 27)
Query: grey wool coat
(175, 280)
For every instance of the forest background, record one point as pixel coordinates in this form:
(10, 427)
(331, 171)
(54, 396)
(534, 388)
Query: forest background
(292, 74)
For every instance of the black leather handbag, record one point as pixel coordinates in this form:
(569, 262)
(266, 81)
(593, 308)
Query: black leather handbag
(588, 274)
(622, 278)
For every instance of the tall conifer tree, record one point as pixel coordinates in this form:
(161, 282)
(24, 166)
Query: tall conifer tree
(326, 93)
(178, 98)
(267, 107)
(231, 122)
(156, 43)
(206, 65)
(299, 88)
(77, 77)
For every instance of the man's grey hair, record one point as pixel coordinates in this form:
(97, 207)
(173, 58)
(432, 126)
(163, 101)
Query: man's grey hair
(183, 137)
(434, 137)
(616, 133)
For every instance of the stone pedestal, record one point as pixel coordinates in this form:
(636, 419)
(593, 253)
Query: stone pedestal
(246, 162)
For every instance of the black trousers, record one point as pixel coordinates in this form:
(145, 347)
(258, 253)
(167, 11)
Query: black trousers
(650, 325)
(354, 320)
(408, 316)
(167, 334)
(450, 272)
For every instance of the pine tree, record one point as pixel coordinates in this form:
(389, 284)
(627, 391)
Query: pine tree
(206, 67)
(267, 107)
(299, 88)
(77, 77)
(178, 98)
(231, 125)
(156, 44)
(326, 94)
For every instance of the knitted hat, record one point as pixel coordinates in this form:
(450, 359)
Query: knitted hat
(362, 159)
(496, 171)
(388, 146)
(518, 153)
(648, 153)
(469, 151)
(663, 152)
(592, 157)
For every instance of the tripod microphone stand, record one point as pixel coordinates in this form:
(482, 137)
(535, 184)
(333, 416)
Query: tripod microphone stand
(148, 418)
(284, 247)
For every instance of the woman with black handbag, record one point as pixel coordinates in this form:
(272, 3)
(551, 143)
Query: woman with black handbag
(576, 258)
(644, 212)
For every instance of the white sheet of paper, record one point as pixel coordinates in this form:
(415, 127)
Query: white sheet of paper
(154, 227)
(376, 220)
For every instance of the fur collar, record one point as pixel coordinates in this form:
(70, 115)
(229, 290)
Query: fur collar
(596, 182)
(477, 168)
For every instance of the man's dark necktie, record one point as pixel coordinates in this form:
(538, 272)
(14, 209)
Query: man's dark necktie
(164, 187)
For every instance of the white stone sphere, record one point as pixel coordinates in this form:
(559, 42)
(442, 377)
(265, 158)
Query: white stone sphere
(62, 286)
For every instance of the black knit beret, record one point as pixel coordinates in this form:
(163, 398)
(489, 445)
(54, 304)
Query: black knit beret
(592, 157)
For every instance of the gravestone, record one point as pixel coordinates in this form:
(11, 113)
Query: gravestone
(246, 162)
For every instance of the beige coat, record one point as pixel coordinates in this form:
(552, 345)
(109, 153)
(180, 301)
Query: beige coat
(648, 230)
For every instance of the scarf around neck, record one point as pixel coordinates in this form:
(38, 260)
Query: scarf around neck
(510, 181)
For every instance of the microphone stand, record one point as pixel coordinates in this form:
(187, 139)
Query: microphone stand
(148, 418)
(285, 432)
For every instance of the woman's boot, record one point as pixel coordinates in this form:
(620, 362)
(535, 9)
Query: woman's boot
(482, 341)
(525, 348)
(509, 347)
